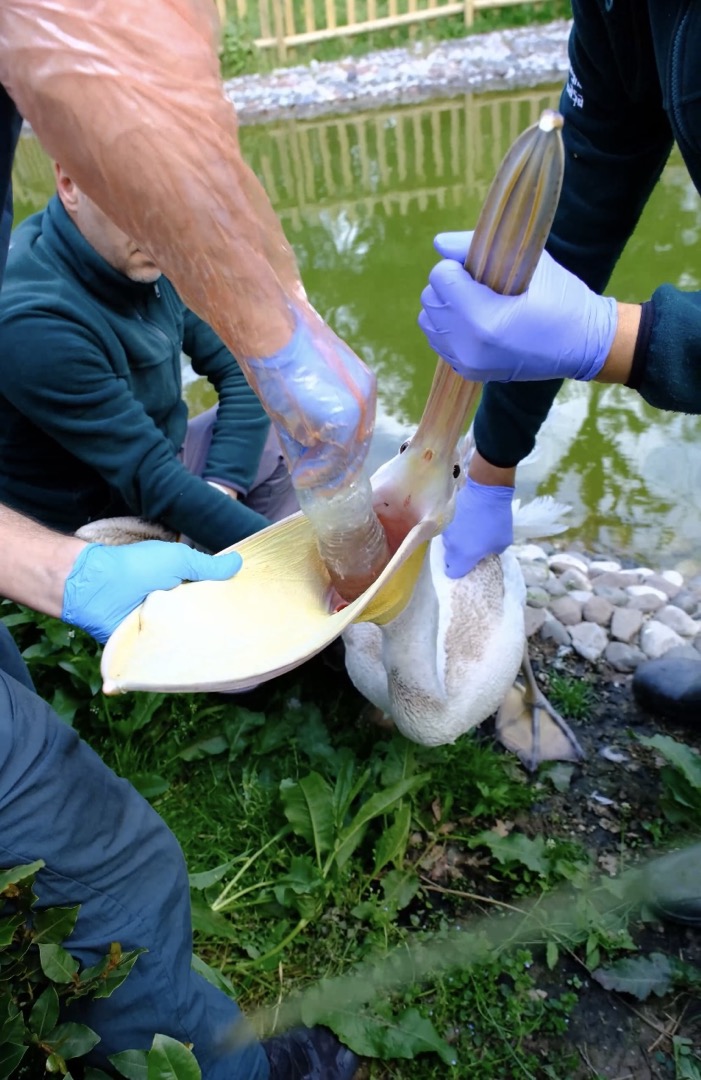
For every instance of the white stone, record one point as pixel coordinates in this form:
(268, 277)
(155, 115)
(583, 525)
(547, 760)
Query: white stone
(625, 624)
(673, 576)
(581, 595)
(530, 553)
(637, 571)
(604, 566)
(563, 561)
(575, 579)
(656, 639)
(646, 590)
(678, 620)
(589, 640)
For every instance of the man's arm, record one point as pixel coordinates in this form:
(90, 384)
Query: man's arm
(35, 562)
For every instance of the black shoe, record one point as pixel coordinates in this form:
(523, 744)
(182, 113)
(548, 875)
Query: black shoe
(672, 886)
(309, 1054)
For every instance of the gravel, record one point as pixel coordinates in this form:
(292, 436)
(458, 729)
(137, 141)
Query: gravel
(500, 60)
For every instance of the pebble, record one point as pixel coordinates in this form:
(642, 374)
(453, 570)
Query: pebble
(629, 618)
(669, 685)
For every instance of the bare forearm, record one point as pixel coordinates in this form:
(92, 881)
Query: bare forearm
(35, 562)
(619, 361)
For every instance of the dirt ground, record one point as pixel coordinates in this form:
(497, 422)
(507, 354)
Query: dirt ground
(617, 1036)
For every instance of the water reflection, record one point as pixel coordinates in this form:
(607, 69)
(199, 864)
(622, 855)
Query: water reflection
(361, 197)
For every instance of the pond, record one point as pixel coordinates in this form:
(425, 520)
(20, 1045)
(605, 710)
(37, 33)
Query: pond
(361, 197)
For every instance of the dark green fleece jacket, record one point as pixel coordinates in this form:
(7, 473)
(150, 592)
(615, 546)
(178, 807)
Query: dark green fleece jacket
(634, 87)
(91, 410)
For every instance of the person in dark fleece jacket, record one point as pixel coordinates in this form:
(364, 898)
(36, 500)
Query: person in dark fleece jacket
(634, 88)
(92, 419)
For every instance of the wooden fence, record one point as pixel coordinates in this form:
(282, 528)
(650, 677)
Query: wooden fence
(388, 160)
(284, 24)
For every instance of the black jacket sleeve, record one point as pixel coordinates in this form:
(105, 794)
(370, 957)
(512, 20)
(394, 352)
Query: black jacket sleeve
(617, 139)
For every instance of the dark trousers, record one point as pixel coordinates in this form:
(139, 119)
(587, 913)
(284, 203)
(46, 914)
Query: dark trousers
(106, 849)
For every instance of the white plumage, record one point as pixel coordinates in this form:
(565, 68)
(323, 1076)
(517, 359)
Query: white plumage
(448, 660)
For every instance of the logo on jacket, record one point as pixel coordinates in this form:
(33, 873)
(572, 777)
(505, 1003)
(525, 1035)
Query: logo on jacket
(574, 90)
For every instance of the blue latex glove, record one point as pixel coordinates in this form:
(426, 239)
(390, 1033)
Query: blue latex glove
(482, 525)
(322, 399)
(557, 329)
(106, 583)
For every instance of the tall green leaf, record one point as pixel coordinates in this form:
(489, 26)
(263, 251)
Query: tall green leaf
(382, 802)
(308, 806)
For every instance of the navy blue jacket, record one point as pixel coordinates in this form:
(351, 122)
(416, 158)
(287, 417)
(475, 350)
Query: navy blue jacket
(634, 88)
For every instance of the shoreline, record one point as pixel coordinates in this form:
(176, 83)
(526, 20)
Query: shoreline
(498, 60)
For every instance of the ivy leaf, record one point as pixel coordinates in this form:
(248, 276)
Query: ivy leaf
(57, 964)
(639, 976)
(169, 1059)
(44, 1013)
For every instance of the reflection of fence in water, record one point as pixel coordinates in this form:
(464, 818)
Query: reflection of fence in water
(398, 159)
(283, 24)
(32, 176)
(395, 159)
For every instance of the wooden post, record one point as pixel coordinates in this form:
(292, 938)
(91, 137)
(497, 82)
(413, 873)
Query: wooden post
(279, 23)
(469, 12)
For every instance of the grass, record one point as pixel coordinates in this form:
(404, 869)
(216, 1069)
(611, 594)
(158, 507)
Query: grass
(320, 845)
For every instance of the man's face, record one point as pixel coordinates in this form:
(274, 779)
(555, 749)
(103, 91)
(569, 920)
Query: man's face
(116, 247)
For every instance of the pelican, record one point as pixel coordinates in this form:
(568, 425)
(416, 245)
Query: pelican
(451, 657)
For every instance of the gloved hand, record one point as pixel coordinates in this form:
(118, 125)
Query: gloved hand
(322, 399)
(482, 525)
(557, 329)
(106, 583)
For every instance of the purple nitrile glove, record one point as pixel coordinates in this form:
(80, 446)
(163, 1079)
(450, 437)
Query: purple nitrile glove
(106, 583)
(321, 397)
(482, 525)
(557, 329)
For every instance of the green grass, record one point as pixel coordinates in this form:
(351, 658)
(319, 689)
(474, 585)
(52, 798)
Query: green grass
(319, 845)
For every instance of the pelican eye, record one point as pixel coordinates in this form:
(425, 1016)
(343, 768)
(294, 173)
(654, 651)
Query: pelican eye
(456, 471)
(404, 445)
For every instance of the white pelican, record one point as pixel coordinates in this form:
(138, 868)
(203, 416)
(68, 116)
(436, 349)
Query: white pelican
(450, 658)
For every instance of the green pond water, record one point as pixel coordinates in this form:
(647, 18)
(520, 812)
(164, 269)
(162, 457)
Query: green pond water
(361, 197)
